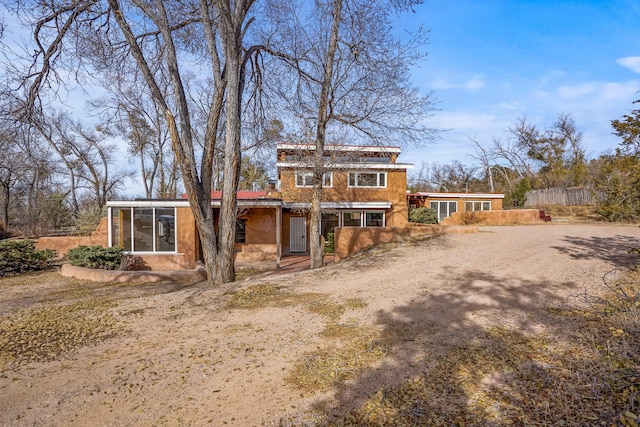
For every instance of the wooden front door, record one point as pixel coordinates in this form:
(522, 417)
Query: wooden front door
(298, 235)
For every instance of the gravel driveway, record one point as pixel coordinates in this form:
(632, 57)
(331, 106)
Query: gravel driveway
(181, 355)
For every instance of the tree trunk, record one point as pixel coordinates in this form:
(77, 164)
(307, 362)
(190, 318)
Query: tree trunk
(315, 215)
(231, 19)
(4, 203)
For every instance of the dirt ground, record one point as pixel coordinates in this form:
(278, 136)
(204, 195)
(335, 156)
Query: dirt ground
(186, 354)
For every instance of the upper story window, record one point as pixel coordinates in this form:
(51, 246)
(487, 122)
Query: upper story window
(368, 179)
(305, 179)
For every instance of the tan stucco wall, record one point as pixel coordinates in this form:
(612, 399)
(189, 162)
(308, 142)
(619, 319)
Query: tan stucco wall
(94, 275)
(261, 226)
(62, 244)
(187, 245)
(508, 217)
(350, 240)
(395, 192)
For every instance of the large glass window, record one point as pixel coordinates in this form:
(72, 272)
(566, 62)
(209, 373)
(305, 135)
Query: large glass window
(144, 229)
(165, 221)
(305, 179)
(444, 208)
(368, 179)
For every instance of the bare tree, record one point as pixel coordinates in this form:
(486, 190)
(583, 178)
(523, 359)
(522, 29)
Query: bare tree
(157, 37)
(138, 119)
(88, 157)
(348, 72)
(486, 159)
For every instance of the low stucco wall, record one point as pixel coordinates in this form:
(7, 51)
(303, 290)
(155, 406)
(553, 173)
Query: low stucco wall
(62, 244)
(507, 217)
(349, 240)
(256, 252)
(95, 275)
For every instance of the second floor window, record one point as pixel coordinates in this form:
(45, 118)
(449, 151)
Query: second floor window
(305, 179)
(368, 179)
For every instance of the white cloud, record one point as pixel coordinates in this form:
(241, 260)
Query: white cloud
(630, 62)
(472, 84)
(577, 91)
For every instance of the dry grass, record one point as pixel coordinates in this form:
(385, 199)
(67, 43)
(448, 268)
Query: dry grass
(47, 332)
(506, 377)
(573, 214)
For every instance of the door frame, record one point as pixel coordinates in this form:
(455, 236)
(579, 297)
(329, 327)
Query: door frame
(294, 234)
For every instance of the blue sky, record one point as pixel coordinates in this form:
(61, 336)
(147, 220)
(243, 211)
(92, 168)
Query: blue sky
(491, 62)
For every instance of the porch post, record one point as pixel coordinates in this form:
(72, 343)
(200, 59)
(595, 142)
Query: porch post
(278, 236)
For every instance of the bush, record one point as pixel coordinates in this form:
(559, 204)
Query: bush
(423, 216)
(21, 256)
(329, 246)
(96, 257)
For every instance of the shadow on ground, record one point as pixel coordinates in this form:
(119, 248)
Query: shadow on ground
(479, 353)
(614, 250)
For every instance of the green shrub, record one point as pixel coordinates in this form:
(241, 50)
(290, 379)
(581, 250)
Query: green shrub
(96, 257)
(21, 256)
(423, 216)
(329, 245)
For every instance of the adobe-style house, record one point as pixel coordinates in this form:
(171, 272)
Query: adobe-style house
(446, 204)
(363, 187)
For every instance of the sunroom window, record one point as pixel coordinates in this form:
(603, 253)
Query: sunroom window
(143, 229)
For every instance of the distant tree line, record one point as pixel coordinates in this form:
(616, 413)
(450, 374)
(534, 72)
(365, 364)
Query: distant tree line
(551, 158)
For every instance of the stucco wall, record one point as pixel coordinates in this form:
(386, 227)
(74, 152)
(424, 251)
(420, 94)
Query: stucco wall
(508, 217)
(395, 192)
(187, 245)
(62, 244)
(350, 240)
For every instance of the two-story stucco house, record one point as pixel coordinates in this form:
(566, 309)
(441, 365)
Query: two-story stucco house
(364, 186)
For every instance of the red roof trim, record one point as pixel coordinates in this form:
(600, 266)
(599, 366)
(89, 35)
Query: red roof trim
(242, 195)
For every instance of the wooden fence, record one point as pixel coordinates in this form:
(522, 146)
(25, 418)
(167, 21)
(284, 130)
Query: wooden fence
(561, 196)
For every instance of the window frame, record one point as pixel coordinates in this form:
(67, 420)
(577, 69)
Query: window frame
(327, 179)
(354, 178)
(131, 229)
(363, 217)
(449, 204)
(241, 231)
(483, 204)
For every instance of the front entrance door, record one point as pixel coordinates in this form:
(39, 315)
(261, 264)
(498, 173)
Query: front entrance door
(298, 235)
